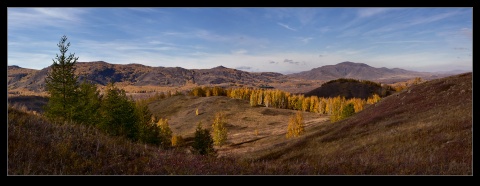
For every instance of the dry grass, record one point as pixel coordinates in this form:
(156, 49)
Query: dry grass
(38, 147)
(423, 130)
(250, 128)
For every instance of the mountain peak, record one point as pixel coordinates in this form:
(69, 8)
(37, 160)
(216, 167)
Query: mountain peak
(353, 64)
(220, 67)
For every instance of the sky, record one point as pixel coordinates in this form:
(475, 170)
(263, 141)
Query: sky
(284, 40)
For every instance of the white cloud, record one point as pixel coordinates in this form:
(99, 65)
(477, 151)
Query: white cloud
(44, 17)
(286, 26)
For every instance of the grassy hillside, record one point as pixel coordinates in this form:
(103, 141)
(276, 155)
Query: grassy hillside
(250, 128)
(38, 147)
(425, 129)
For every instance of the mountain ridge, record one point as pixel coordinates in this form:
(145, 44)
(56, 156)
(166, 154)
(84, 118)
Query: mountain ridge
(362, 71)
(133, 74)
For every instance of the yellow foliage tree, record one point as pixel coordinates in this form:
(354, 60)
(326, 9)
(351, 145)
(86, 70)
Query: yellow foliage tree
(177, 141)
(165, 133)
(296, 126)
(219, 129)
(374, 99)
(336, 108)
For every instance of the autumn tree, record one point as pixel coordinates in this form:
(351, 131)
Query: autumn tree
(373, 99)
(203, 142)
(61, 84)
(219, 128)
(296, 126)
(165, 133)
(177, 140)
(254, 99)
(336, 107)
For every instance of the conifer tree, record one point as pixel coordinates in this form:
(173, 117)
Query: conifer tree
(203, 142)
(61, 84)
(148, 130)
(88, 104)
(118, 113)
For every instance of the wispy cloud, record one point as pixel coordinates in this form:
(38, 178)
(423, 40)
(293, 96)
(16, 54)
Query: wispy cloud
(243, 68)
(286, 26)
(433, 18)
(304, 38)
(306, 16)
(367, 12)
(45, 17)
(210, 36)
(293, 62)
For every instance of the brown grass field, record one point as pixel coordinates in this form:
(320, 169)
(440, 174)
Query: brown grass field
(425, 129)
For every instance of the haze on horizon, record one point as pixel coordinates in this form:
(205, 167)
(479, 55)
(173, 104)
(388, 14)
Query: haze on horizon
(284, 40)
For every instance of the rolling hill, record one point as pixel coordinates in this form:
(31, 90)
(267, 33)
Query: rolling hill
(350, 88)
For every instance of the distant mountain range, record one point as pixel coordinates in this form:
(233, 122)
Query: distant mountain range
(364, 72)
(102, 72)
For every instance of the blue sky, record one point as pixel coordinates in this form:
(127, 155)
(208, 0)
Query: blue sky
(284, 40)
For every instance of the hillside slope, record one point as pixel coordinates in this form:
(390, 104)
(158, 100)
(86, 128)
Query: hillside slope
(425, 129)
(250, 128)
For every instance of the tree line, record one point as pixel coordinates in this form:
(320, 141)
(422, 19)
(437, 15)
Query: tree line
(333, 106)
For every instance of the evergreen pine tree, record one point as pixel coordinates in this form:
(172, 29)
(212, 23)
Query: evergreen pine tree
(203, 142)
(61, 84)
(118, 113)
(88, 104)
